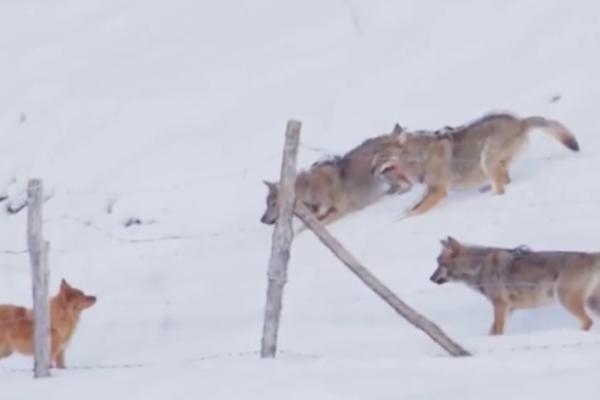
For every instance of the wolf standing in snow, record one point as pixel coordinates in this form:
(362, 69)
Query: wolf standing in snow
(464, 157)
(513, 279)
(334, 188)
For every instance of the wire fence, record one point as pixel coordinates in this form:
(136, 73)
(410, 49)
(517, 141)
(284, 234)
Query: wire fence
(243, 174)
(285, 354)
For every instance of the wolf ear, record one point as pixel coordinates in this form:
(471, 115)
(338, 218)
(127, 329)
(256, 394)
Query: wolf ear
(451, 245)
(397, 129)
(64, 285)
(270, 185)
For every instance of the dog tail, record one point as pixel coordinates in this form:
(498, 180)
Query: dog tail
(553, 128)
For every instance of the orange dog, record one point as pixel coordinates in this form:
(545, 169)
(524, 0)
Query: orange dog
(16, 324)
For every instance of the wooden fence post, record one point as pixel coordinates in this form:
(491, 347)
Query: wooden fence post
(38, 253)
(282, 240)
(416, 319)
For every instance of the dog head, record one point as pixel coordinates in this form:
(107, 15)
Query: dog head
(272, 212)
(455, 263)
(74, 300)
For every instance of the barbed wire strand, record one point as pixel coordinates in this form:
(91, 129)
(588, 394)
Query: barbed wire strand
(185, 361)
(288, 353)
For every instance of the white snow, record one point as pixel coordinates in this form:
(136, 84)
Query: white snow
(173, 112)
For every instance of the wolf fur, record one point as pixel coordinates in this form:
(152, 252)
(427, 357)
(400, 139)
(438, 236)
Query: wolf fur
(464, 157)
(333, 188)
(521, 278)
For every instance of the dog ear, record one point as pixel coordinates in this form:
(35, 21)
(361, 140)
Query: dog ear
(64, 285)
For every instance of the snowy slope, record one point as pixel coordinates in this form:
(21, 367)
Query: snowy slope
(172, 113)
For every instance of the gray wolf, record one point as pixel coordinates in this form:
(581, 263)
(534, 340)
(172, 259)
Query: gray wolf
(513, 279)
(463, 157)
(338, 186)
(16, 324)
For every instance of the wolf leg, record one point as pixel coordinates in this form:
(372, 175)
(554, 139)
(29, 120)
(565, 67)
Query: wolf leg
(494, 167)
(574, 302)
(432, 197)
(397, 181)
(593, 302)
(501, 313)
(329, 217)
(332, 215)
(505, 175)
(497, 176)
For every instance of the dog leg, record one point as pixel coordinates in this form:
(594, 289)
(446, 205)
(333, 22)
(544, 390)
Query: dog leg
(57, 353)
(501, 312)
(5, 352)
(59, 360)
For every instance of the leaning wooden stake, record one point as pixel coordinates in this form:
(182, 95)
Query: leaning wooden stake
(418, 320)
(282, 241)
(38, 253)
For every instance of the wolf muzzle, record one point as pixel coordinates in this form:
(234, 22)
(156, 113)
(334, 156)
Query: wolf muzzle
(267, 221)
(438, 279)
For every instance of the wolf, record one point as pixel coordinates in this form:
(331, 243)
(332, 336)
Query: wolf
(463, 157)
(340, 185)
(16, 324)
(521, 278)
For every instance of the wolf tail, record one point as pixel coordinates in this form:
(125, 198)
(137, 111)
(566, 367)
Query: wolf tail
(593, 300)
(553, 128)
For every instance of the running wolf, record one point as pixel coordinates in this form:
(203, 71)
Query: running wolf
(336, 187)
(521, 278)
(463, 157)
(16, 324)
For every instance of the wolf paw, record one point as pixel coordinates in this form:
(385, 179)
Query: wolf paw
(406, 214)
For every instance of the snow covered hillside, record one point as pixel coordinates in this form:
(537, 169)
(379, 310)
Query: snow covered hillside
(169, 115)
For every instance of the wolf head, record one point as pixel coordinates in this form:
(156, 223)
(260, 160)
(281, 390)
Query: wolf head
(393, 154)
(272, 212)
(74, 300)
(456, 263)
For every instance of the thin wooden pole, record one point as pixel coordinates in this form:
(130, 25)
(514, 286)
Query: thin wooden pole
(38, 253)
(282, 240)
(411, 315)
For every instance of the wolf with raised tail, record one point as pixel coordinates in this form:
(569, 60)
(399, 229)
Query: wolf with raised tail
(463, 157)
